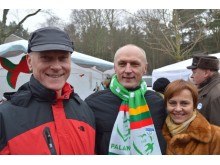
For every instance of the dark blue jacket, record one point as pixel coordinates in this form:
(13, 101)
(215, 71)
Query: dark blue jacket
(106, 107)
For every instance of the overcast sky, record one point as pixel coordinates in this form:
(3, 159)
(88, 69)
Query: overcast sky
(41, 18)
(63, 8)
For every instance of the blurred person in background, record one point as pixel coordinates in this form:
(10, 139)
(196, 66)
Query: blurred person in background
(160, 85)
(207, 79)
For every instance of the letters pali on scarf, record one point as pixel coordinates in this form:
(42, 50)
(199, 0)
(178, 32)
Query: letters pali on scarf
(133, 132)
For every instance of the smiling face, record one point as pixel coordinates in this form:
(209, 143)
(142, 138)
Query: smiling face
(181, 98)
(130, 64)
(50, 68)
(180, 107)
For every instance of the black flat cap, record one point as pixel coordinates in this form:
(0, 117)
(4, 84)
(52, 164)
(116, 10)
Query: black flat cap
(49, 38)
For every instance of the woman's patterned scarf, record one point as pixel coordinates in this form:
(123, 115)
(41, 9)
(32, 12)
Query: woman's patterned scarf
(133, 132)
(179, 128)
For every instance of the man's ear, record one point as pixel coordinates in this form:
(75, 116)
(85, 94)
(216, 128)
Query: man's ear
(145, 69)
(207, 73)
(114, 68)
(28, 58)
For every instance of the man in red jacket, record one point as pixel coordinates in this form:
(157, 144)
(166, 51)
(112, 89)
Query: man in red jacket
(45, 116)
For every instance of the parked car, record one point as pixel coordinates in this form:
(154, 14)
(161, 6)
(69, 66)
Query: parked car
(148, 80)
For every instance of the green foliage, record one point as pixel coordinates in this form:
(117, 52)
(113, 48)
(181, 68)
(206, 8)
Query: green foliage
(215, 23)
(20, 31)
(13, 27)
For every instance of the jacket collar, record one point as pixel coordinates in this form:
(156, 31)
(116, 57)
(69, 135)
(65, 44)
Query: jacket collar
(209, 80)
(35, 89)
(199, 129)
(40, 92)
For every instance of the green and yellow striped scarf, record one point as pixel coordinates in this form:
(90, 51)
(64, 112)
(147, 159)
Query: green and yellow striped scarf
(133, 132)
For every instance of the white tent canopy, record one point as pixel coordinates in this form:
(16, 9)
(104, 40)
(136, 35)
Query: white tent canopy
(18, 47)
(89, 61)
(175, 71)
(87, 72)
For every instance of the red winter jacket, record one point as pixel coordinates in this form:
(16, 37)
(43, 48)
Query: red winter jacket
(35, 122)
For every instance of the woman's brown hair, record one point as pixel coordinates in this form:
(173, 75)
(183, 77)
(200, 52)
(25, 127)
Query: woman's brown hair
(177, 86)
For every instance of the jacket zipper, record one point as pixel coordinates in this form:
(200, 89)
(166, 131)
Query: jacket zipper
(49, 140)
